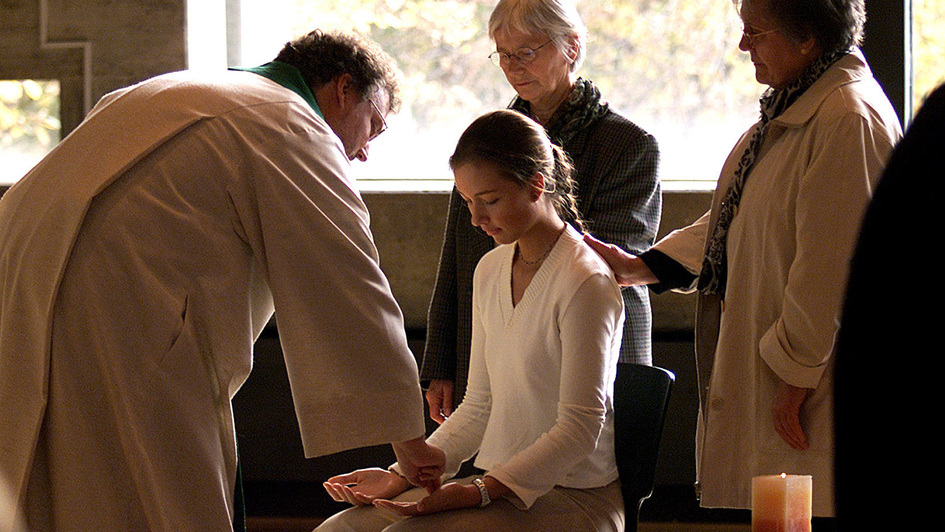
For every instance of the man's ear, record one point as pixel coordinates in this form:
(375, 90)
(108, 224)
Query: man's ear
(334, 96)
(345, 93)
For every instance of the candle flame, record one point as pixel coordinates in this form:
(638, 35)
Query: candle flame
(783, 475)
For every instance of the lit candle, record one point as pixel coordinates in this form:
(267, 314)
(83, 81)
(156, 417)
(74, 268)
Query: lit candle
(781, 503)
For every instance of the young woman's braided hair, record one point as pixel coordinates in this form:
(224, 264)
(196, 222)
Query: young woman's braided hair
(518, 148)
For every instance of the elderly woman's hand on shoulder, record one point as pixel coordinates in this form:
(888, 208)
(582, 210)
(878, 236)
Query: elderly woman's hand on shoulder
(629, 270)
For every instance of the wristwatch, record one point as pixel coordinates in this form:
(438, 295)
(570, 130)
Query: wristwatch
(483, 492)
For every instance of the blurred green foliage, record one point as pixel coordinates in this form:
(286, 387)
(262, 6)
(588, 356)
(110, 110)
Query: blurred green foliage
(671, 65)
(668, 59)
(29, 114)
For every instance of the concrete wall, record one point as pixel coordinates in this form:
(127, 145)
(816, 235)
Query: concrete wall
(91, 46)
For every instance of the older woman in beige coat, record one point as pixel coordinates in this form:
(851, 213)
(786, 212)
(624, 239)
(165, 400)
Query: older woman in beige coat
(774, 249)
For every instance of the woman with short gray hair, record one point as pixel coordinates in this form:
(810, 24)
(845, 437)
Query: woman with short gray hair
(539, 45)
(558, 20)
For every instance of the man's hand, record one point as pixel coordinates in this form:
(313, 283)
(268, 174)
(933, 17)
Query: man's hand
(440, 398)
(364, 486)
(786, 410)
(629, 270)
(420, 462)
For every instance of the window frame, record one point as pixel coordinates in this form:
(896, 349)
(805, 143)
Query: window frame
(888, 49)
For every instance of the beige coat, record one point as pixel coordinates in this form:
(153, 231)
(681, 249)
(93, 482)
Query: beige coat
(788, 250)
(138, 264)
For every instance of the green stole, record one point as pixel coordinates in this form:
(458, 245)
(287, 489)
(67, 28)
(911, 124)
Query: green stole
(289, 77)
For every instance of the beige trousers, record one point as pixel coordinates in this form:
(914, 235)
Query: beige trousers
(565, 509)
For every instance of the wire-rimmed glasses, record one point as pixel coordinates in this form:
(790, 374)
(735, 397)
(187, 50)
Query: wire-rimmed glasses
(383, 128)
(751, 36)
(523, 55)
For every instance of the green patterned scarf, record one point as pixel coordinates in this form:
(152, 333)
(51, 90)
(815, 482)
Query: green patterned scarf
(580, 111)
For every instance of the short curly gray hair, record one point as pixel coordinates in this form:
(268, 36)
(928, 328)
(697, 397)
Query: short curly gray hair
(321, 56)
(558, 19)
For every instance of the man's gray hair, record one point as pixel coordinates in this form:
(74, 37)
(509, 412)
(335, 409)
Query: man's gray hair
(322, 56)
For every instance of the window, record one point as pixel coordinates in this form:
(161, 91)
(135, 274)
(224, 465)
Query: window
(29, 124)
(673, 67)
(928, 47)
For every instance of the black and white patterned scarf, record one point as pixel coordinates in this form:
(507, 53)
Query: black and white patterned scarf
(581, 110)
(774, 102)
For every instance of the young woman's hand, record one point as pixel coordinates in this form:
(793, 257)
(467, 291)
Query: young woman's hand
(451, 496)
(364, 486)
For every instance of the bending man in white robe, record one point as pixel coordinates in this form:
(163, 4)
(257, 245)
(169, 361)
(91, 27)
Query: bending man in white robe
(140, 261)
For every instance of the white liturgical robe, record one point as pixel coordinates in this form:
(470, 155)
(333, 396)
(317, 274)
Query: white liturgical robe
(138, 264)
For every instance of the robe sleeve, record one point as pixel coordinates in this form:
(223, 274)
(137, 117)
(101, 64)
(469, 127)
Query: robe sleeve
(354, 380)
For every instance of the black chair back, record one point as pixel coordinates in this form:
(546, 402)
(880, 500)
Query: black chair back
(641, 395)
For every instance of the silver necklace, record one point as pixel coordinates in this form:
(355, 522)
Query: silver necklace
(539, 259)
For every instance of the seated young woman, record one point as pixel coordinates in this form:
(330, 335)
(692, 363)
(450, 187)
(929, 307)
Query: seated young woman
(547, 325)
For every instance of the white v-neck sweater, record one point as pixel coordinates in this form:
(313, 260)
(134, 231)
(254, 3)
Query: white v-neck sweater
(539, 405)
